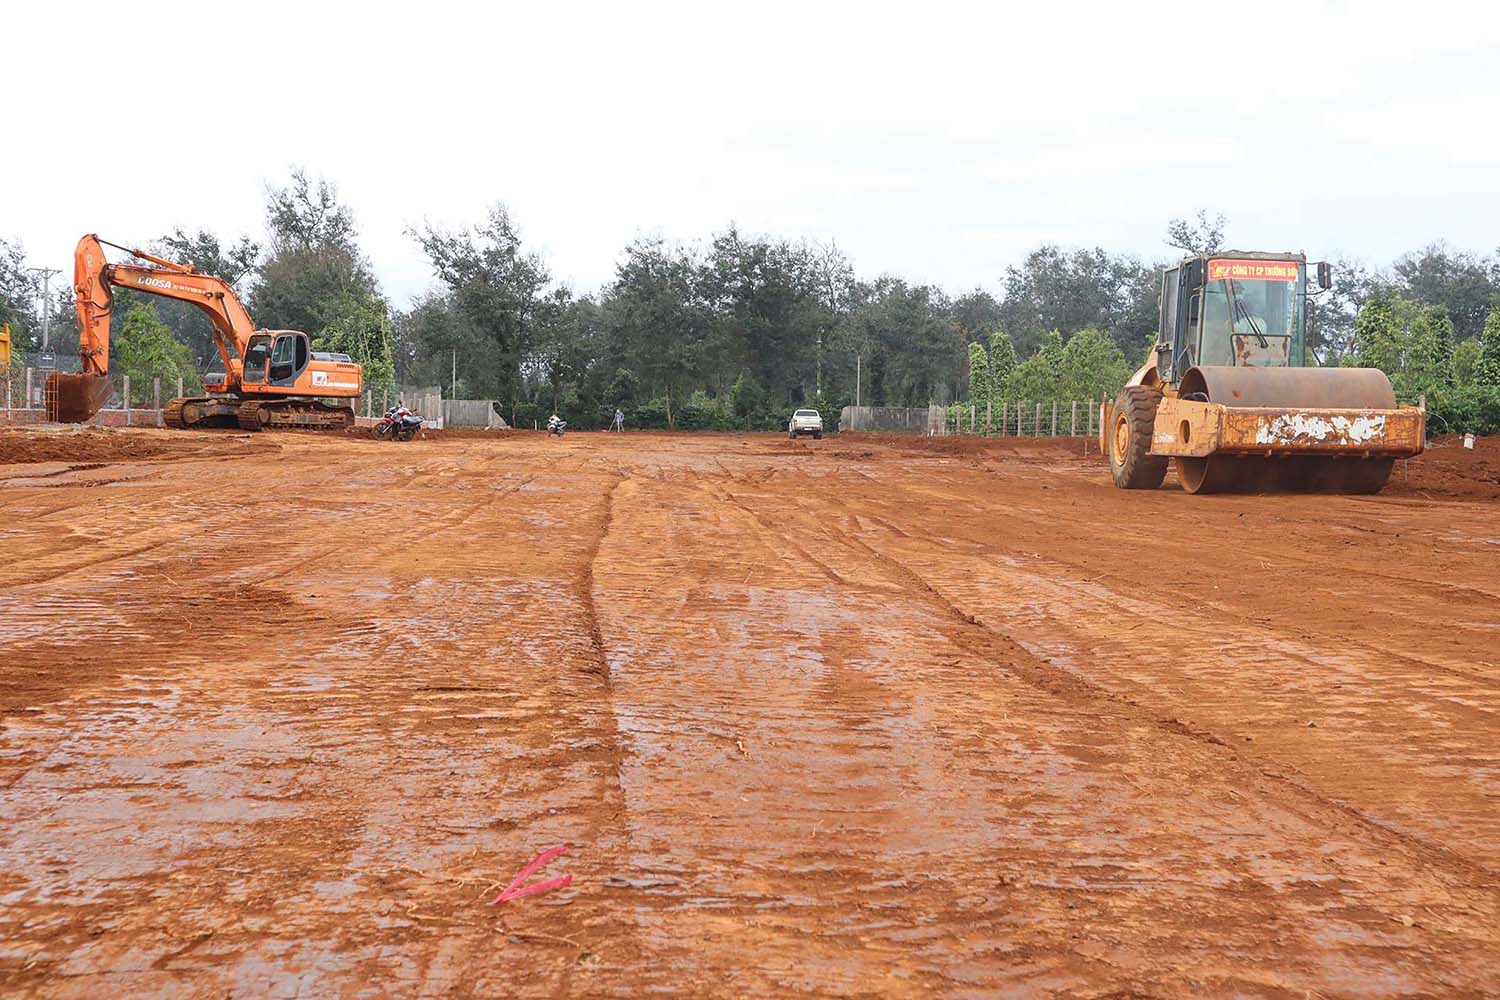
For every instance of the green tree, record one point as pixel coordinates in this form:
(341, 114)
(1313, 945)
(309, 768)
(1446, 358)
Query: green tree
(210, 255)
(751, 403)
(1410, 342)
(979, 374)
(657, 306)
(1033, 380)
(624, 390)
(361, 328)
(500, 289)
(1487, 368)
(1197, 235)
(1091, 365)
(1378, 342)
(1002, 358)
(18, 297)
(974, 313)
(313, 258)
(1460, 282)
(1331, 319)
(1052, 348)
(768, 301)
(1465, 356)
(145, 349)
(1055, 289)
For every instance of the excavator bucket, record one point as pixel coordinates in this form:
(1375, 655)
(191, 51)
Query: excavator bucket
(1278, 429)
(73, 399)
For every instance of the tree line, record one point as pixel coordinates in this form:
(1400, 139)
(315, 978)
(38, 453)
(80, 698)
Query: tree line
(734, 330)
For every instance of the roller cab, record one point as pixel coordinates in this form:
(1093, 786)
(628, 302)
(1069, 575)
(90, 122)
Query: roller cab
(1229, 398)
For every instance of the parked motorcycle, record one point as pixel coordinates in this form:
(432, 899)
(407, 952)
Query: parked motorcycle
(398, 424)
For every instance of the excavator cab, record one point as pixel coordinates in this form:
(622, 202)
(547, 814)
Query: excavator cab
(277, 358)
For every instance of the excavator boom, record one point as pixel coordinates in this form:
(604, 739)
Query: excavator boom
(76, 398)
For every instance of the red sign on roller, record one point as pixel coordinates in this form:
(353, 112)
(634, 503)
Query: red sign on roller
(1253, 270)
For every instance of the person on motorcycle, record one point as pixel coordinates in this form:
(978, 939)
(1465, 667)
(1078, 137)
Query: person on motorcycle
(555, 424)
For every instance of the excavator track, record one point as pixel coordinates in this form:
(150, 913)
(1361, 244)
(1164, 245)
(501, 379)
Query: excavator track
(197, 412)
(172, 415)
(301, 414)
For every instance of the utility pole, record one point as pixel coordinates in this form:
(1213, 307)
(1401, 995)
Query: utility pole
(819, 378)
(46, 273)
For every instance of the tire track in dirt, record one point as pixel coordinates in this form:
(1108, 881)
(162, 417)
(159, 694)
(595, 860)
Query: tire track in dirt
(340, 812)
(786, 768)
(789, 532)
(1062, 682)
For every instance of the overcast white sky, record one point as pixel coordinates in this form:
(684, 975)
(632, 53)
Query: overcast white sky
(939, 142)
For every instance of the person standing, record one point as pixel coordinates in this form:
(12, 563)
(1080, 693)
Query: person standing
(619, 424)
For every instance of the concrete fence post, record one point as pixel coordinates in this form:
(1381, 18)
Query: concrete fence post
(1073, 423)
(127, 400)
(28, 387)
(989, 417)
(179, 387)
(1054, 418)
(1036, 424)
(156, 398)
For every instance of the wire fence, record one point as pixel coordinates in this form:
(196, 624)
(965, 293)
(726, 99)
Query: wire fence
(1025, 418)
(23, 395)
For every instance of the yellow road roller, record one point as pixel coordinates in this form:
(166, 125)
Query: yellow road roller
(1229, 396)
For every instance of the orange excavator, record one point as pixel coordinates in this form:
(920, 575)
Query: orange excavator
(271, 378)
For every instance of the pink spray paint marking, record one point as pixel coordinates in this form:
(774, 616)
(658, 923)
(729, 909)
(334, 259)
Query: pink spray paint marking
(516, 890)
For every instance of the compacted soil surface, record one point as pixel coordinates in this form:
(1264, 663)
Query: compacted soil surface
(871, 716)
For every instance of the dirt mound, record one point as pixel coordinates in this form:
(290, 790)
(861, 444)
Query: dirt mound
(101, 445)
(962, 446)
(1448, 469)
(89, 444)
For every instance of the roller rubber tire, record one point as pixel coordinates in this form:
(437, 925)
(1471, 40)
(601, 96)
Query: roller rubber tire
(1130, 458)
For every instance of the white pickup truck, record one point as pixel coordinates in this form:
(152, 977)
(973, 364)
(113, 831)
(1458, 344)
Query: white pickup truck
(805, 422)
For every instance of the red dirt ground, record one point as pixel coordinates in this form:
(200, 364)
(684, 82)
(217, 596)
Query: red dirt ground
(869, 716)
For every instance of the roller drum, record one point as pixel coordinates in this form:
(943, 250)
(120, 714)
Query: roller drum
(1293, 389)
